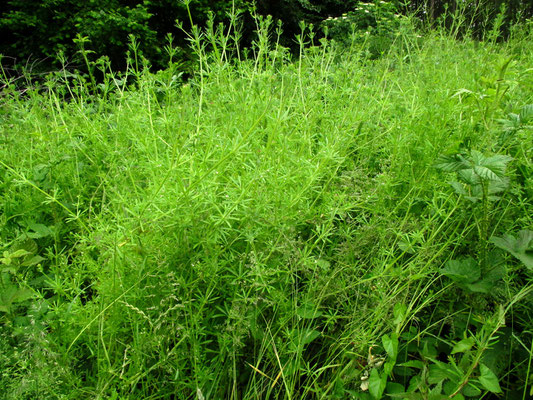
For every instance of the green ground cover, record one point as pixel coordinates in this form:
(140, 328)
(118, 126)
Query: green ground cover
(330, 227)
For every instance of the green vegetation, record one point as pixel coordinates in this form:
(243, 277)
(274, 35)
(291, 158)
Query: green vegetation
(352, 223)
(38, 35)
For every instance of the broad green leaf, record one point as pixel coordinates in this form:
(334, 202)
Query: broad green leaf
(451, 163)
(512, 122)
(393, 387)
(521, 247)
(497, 187)
(400, 310)
(39, 231)
(390, 344)
(12, 295)
(436, 393)
(485, 173)
(497, 165)
(476, 158)
(376, 384)
(463, 346)
(470, 177)
(19, 253)
(32, 261)
(428, 349)
(440, 371)
(413, 364)
(466, 270)
(308, 311)
(471, 390)
(488, 379)
(308, 335)
(407, 396)
(29, 245)
(301, 337)
(480, 286)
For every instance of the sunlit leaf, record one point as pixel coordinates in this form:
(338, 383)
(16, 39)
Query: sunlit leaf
(376, 384)
(390, 344)
(488, 379)
(463, 346)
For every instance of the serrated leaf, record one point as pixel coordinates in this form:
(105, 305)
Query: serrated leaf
(465, 271)
(521, 247)
(451, 163)
(526, 114)
(463, 346)
(470, 177)
(488, 379)
(29, 245)
(436, 393)
(485, 173)
(481, 286)
(497, 164)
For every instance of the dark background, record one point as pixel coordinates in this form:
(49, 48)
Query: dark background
(34, 32)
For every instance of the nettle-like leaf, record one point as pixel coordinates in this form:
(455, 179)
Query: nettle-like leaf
(493, 168)
(467, 273)
(475, 172)
(526, 114)
(512, 123)
(475, 167)
(466, 270)
(451, 163)
(520, 247)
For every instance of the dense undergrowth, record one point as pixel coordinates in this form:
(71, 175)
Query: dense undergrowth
(273, 228)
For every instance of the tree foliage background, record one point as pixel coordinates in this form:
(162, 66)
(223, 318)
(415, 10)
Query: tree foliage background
(35, 32)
